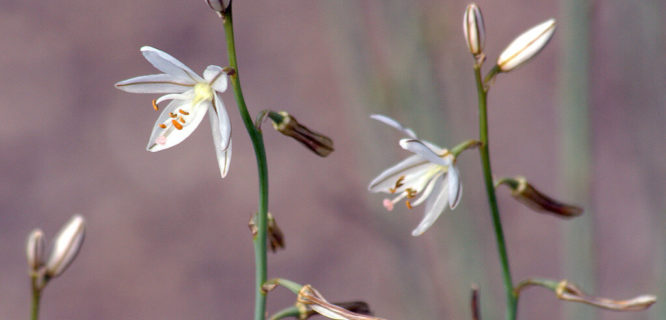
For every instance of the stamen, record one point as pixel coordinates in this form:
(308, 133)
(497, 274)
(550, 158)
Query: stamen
(183, 112)
(398, 184)
(411, 193)
(155, 105)
(173, 115)
(408, 204)
(162, 125)
(181, 119)
(177, 124)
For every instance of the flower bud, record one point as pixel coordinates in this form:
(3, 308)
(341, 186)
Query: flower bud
(66, 246)
(219, 6)
(312, 299)
(537, 201)
(526, 46)
(569, 292)
(287, 125)
(35, 250)
(473, 29)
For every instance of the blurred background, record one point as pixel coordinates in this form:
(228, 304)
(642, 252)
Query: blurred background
(168, 239)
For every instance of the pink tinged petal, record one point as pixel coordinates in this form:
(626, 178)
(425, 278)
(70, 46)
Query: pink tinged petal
(421, 149)
(154, 83)
(221, 130)
(169, 65)
(172, 135)
(395, 124)
(434, 206)
(161, 140)
(388, 204)
(454, 186)
(216, 78)
(388, 178)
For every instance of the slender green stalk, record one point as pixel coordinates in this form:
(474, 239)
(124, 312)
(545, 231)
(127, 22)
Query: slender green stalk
(262, 168)
(36, 297)
(511, 299)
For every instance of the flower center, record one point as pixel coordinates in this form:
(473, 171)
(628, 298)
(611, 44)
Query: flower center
(202, 92)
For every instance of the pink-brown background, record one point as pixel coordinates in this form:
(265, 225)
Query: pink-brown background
(168, 239)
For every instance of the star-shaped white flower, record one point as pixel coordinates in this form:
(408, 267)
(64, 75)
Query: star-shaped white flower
(429, 175)
(191, 96)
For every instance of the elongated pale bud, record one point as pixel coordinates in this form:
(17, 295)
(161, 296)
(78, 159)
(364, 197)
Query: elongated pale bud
(287, 125)
(219, 6)
(474, 30)
(537, 201)
(526, 46)
(66, 246)
(35, 250)
(569, 292)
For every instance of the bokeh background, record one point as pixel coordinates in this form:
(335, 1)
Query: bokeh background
(168, 239)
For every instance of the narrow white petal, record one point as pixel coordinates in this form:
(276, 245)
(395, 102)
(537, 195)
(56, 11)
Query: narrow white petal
(327, 312)
(173, 96)
(221, 129)
(164, 138)
(154, 83)
(454, 186)
(434, 206)
(395, 124)
(421, 149)
(387, 179)
(169, 65)
(216, 78)
(428, 190)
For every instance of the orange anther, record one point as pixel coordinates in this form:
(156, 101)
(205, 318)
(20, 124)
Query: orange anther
(155, 105)
(177, 124)
(183, 112)
(409, 205)
(162, 125)
(181, 119)
(173, 115)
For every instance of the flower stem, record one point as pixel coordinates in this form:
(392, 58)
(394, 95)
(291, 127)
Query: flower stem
(262, 169)
(511, 299)
(36, 297)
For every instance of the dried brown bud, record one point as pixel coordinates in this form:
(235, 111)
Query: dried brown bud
(311, 298)
(287, 125)
(359, 307)
(533, 198)
(275, 235)
(569, 292)
(476, 312)
(35, 250)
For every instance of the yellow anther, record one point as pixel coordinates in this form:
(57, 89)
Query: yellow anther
(411, 193)
(181, 119)
(177, 124)
(173, 115)
(183, 112)
(155, 105)
(162, 125)
(408, 204)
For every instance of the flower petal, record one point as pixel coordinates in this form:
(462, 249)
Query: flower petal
(221, 129)
(164, 138)
(388, 178)
(454, 186)
(154, 83)
(395, 124)
(421, 149)
(427, 191)
(434, 206)
(216, 78)
(169, 65)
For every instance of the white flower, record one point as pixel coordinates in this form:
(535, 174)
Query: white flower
(191, 96)
(430, 174)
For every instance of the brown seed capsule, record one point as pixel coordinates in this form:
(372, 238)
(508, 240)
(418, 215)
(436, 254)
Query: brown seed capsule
(287, 125)
(537, 201)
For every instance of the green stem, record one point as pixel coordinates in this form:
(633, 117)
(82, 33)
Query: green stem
(511, 299)
(293, 312)
(36, 297)
(262, 168)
